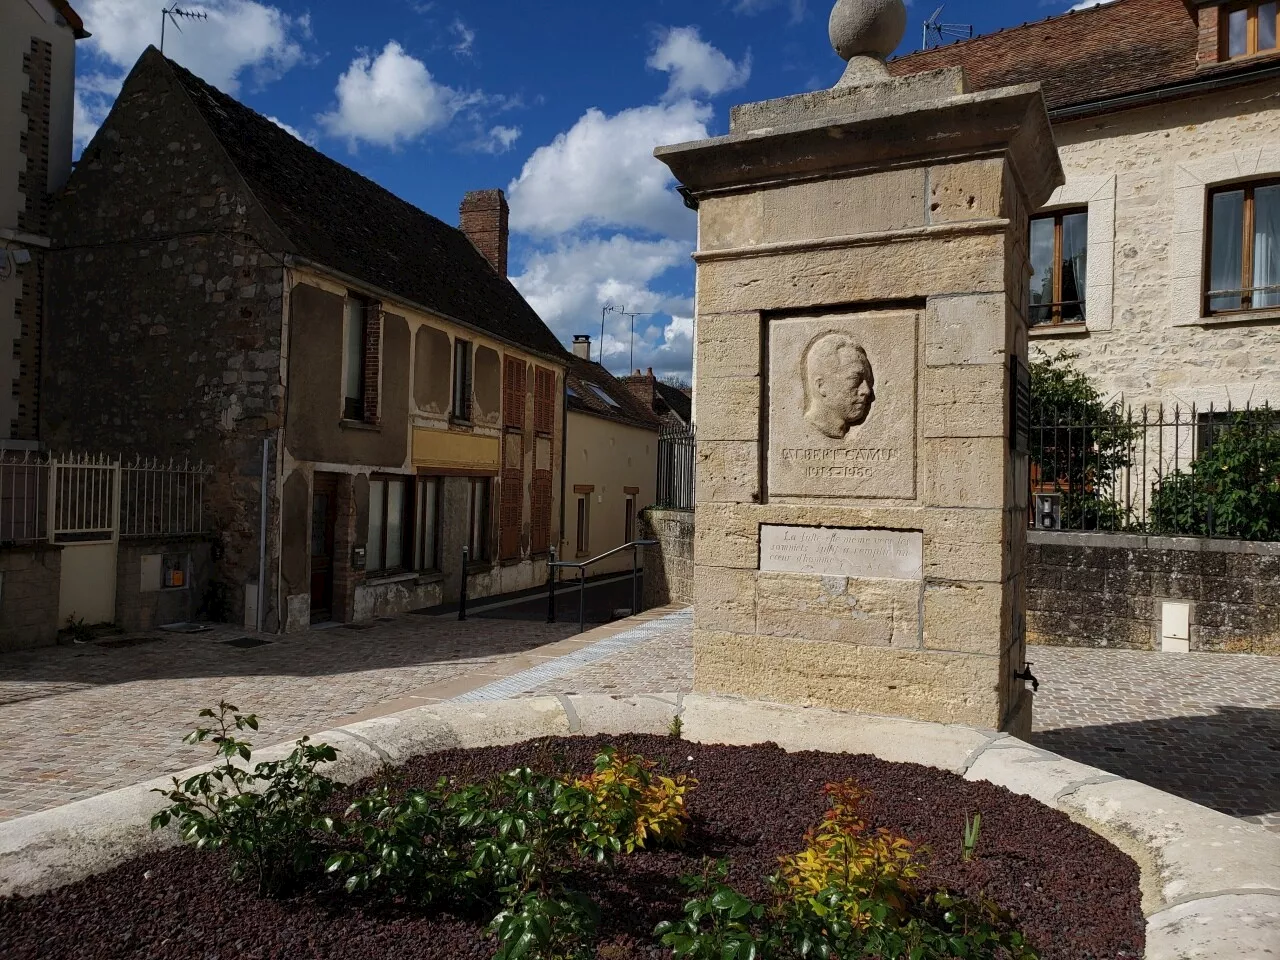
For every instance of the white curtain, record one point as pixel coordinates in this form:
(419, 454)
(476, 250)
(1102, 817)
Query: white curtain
(1226, 270)
(1266, 246)
(1075, 255)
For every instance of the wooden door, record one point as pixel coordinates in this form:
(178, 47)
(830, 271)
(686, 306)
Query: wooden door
(324, 514)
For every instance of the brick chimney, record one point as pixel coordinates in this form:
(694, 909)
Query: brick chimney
(643, 386)
(486, 222)
(582, 346)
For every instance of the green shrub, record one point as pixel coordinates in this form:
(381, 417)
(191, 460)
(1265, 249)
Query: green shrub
(1230, 490)
(718, 923)
(267, 816)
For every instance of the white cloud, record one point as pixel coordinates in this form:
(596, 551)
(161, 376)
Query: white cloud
(95, 92)
(1090, 3)
(602, 173)
(696, 67)
(465, 37)
(391, 98)
(239, 37)
(495, 140)
(753, 7)
(569, 283)
(292, 130)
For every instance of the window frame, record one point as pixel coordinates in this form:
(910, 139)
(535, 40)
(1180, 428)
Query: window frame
(1055, 318)
(1252, 31)
(408, 543)
(583, 516)
(478, 543)
(629, 519)
(428, 564)
(1248, 246)
(462, 402)
(353, 408)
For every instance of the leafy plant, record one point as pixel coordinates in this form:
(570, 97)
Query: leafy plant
(637, 804)
(78, 630)
(675, 729)
(1232, 489)
(972, 830)
(545, 927)
(718, 923)
(267, 816)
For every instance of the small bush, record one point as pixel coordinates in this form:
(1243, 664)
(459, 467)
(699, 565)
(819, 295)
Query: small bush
(638, 805)
(267, 817)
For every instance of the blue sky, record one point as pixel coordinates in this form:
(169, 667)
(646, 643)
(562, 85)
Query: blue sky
(560, 102)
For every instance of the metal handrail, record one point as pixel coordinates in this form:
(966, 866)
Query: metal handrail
(553, 565)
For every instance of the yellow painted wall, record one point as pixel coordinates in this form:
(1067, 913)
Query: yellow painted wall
(608, 456)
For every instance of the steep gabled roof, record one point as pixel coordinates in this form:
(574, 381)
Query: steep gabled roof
(678, 401)
(1086, 56)
(338, 219)
(585, 377)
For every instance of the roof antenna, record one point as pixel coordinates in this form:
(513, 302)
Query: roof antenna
(173, 13)
(943, 33)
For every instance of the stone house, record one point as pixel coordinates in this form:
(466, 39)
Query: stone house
(220, 290)
(611, 468)
(1158, 263)
(37, 96)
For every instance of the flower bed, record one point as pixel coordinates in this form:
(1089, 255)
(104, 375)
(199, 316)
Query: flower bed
(1070, 892)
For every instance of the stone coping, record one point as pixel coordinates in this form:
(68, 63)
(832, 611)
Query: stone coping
(1138, 541)
(1210, 883)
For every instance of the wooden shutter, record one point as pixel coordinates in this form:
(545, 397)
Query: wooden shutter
(514, 388)
(540, 510)
(511, 505)
(544, 400)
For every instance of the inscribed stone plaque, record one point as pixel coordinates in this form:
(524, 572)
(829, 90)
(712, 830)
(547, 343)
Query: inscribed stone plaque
(842, 406)
(833, 552)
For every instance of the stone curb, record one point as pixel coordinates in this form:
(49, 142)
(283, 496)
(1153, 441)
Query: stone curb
(1210, 883)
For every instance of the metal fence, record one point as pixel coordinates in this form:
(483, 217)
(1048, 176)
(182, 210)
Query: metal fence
(677, 445)
(1168, 471)
(83, 498)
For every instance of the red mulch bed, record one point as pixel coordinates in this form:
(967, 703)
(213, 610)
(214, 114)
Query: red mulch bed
(1074, 894)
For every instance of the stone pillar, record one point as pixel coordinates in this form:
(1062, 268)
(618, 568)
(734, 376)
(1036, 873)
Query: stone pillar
(861, 321)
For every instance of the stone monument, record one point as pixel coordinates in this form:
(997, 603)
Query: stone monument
(861, 348)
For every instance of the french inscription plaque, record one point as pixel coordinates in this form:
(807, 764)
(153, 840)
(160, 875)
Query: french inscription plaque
(842, 406)
(838, 552)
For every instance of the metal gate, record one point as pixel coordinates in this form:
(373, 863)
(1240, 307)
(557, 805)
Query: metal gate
(84, 512)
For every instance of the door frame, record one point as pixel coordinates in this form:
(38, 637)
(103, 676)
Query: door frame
(323, 484)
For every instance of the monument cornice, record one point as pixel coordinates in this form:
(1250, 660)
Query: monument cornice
(942, 231)
(1011, 121)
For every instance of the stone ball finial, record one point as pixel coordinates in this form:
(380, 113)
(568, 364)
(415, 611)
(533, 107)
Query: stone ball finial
(865, 33)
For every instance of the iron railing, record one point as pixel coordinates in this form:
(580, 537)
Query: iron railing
(634, 546)
(677, 450)
(1168, 471)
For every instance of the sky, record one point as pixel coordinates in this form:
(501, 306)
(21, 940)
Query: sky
(559, 102)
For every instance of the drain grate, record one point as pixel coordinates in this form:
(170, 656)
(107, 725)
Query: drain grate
(128, 642)
(246, 643)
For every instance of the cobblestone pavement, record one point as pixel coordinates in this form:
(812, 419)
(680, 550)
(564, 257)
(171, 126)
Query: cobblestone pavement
(76, 721)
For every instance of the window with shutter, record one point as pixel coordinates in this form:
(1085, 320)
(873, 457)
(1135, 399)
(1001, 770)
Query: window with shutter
(544, 401)
(514, 389)
(540, 512)
(511, 508)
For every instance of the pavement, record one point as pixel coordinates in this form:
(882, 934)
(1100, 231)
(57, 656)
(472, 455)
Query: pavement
(76, 721)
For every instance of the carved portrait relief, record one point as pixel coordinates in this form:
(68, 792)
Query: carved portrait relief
(839, 384)
(842, 405)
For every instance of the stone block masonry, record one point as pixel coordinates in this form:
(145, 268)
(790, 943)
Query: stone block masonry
(165, 314)
(30, 579)
(668, 567)
(1109, 591)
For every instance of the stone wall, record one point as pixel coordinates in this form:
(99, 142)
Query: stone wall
(1107, 590)
(165, 309)
(1143, 175)
(668, 567)
(143, 601)
(30, 578)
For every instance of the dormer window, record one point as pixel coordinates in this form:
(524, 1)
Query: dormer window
(1248, 29)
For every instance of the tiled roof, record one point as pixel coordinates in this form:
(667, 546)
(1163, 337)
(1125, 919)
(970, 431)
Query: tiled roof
(678, 402)
(72, 18)
(1082, 57)
(338, 219)
(627, 408)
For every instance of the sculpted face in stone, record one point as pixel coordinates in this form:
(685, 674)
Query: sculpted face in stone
(839, 385)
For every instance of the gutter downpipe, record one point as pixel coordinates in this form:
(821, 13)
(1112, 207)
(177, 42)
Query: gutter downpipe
(262, 534)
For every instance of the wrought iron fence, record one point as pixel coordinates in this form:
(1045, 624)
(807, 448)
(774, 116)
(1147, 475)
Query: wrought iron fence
(677, 445)
(1179, 471)
(79, 498)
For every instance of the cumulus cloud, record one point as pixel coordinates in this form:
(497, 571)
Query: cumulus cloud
(495, 140)
(291, 130)
(241, 39)
(390, 99)
(602, 173)
(696, 68)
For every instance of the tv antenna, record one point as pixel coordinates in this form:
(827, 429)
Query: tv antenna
(607, 309)
(174, 14)
(631, 364)
(943, 33)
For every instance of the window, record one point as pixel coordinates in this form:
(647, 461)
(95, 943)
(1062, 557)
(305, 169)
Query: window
(1244, 248)
(462, 379)
(629, 522)
(584, 524)
(1059, 251)
(389, 534)
(354, 337)
(426, 524)
(478, 518)
(540, 513)
(514, 392)
(1247, 29)
(544, 401)
(608, 400)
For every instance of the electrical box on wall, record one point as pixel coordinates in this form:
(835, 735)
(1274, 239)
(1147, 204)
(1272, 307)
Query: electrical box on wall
(359, 558)
(1175, 627)
(1048, 511)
